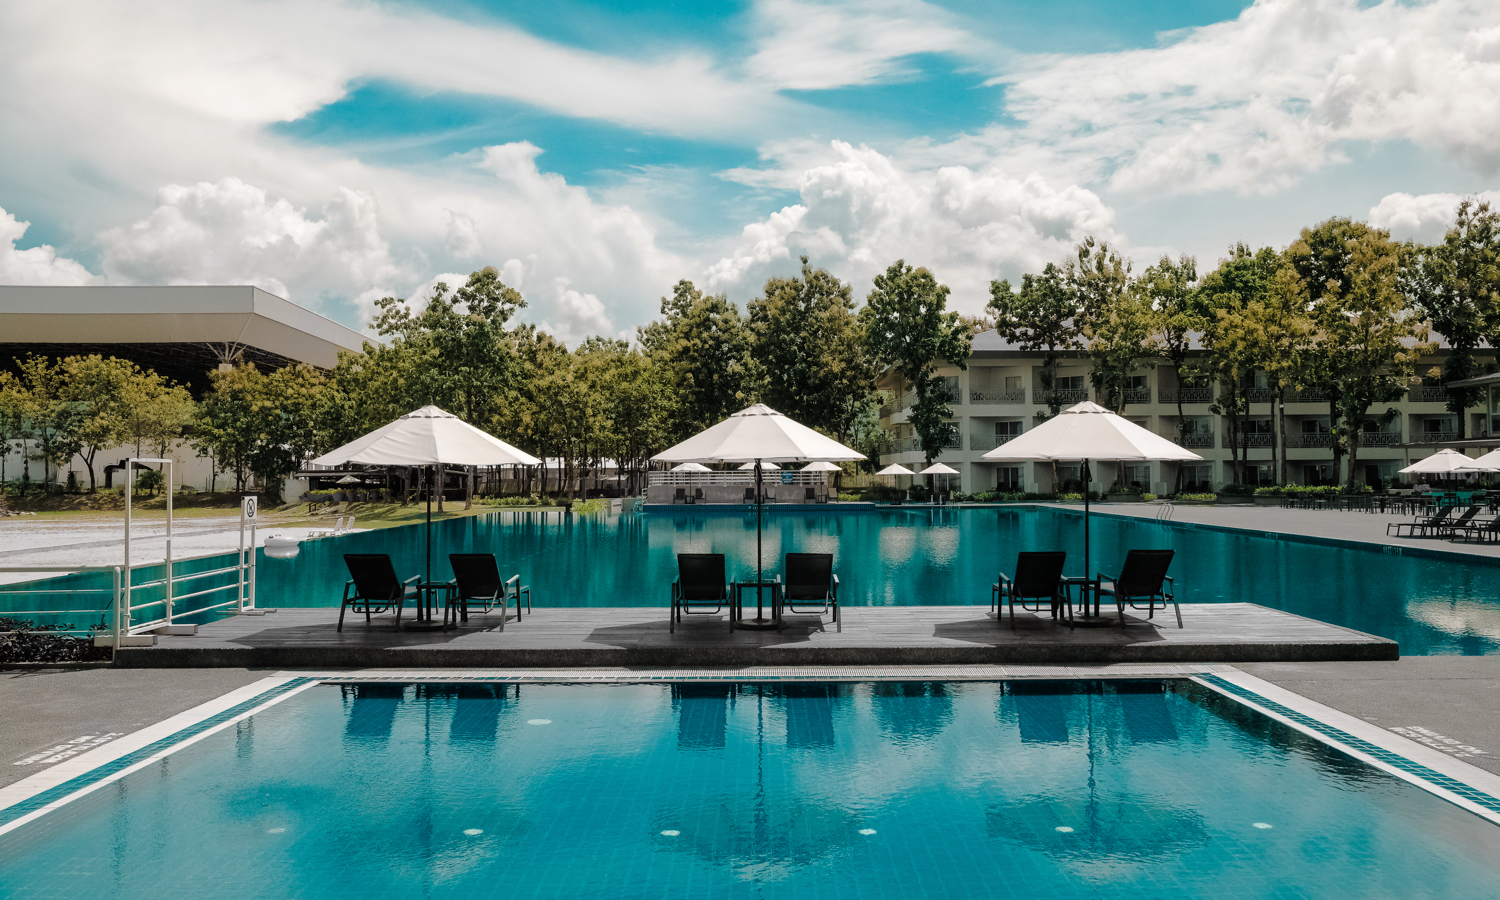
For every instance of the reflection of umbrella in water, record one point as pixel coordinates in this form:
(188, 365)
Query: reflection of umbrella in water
(1112, 832)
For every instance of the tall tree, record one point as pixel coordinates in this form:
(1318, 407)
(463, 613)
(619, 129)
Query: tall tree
(1456, 286)
(1368, 337)
(908, 327)
(810, 353)
(1172, 290)
(701, 341)
(95, 392)
(1041, 317)
(1242, 278)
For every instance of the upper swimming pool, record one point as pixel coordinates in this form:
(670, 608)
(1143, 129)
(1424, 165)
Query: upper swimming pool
(1142, 789)
(909, 556)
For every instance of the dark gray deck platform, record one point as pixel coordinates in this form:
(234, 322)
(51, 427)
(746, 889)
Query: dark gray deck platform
(913, 635)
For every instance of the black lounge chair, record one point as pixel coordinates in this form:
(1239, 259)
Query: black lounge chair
(680, 496)
(700, 584)
(1142, 580)
(810, 581)
(1488, 530)
(1446, 529)
(376, 589)
(1038, 578)
(1421, 523)
(476, 579)
(750, 495)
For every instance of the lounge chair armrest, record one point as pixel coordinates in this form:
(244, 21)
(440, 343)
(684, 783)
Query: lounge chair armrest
(513, 583)
(1004, 579)
(412, 580)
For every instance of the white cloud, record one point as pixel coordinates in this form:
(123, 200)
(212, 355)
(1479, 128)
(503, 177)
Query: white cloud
(572, 315)
(230, 232)
(860, 212)
(1253, 104)
(34, 265)
(812, 44)
(1424, 218)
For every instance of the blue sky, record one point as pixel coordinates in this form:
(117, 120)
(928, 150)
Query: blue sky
(336, 151)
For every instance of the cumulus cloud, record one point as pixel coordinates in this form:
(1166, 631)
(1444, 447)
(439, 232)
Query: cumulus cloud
(860, 212)
(1253, 104)
(572, 315)
(1425, 217)
(34, 265)
(230, 232)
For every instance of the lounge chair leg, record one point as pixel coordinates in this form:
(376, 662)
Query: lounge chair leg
(341, 616)
(1177, 609)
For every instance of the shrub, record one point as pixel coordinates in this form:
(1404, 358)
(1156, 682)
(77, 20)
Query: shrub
(1237, 490)
(1148, 497)
(1269, 490)
(849, 498)
(1197, 496)
(884, 493)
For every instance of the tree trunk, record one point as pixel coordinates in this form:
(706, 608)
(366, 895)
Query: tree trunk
(1281, 417)
(1333, 431)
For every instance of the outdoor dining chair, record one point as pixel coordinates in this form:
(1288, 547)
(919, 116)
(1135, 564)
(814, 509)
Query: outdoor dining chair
(1142, 580)
(811, 586)
(1038, 579)
(476, 580)
(700, 584)
(374, 588)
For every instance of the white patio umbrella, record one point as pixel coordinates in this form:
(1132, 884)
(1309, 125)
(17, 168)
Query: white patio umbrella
(1448, 462)
(1489, 462)
(938, 469)
(428, 437)
(895, 469)
(1086, 432)
(758, 435)
(348, 479)
(691, 467)
(821, 466)
(769, 467)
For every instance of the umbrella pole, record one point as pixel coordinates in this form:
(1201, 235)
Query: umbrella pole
(1086, 479)
(758, 613)
(429, 533)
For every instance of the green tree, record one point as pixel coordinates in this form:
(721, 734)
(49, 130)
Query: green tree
(1456, 286)
(1172, 290)
(1242, 278)
(262, 425)
(810, 352)
(908, 327)
(1042, 317)
(1368, 337)
(95, 391)
(157, 413)
(35, 397)
(701, 342)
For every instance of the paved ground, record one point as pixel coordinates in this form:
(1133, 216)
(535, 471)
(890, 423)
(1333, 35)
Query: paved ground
(1449, 702)
(633, 636)
(65, 711)
(1328, 523)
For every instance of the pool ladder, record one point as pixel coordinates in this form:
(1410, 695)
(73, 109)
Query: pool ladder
(1164, 512)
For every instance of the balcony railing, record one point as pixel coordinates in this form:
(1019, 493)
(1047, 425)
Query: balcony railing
(1186, 395)
(1307, 395)
(1200, 441)
(1380, 438)
(1061, 396)
(1311, 440)
(1017, 396)
(914, 445)
(1259, 395)
(887, 411)
(1436, 437)
(1428, 393)
(1137, 395)
(983, 443)
(1259, 439)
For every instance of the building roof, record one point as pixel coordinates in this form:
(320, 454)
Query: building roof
(181, 332)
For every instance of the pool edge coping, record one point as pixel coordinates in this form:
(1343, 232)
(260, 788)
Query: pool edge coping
(1371, 744)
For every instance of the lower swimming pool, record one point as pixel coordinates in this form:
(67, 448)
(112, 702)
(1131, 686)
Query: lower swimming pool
(709, 789)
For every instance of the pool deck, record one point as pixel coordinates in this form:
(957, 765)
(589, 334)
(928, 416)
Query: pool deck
(913, 635)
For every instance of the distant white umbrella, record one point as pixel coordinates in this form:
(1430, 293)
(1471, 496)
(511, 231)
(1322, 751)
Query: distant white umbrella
(895, 469)
(821, 466)
(1089, 431)
(938, 469)
(428, 437)
(758, 435)
(348, 479)
(1450, 462)
(769, 467)
(691, 467)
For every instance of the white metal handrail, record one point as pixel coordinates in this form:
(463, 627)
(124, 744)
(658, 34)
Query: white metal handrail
(113, 591)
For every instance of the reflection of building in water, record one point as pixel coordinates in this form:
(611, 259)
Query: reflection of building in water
(1040, 707)
(1475, 624)
(911, 710)
(476, 708)
(371, 710)
(808, 710)
(1145, 708)
(702, 711)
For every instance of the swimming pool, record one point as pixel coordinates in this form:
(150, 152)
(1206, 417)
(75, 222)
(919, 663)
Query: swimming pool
(711, 789)
(915, 556)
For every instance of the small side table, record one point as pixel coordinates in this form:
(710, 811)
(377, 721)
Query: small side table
(1086, 586)
(427, 591)
(737, 608)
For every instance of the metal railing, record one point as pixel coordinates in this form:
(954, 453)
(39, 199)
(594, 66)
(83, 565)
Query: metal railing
(1016, 396)
(1137, 395)
(109, 609)
(1258, 439)
(1310, 439)
(984, 442)
(1308, 395)
(1379, 438)
(1259, 395)
(1428, 393)
(1185, 395)
(1436, 437)
(1061, 395)
(1198, 441)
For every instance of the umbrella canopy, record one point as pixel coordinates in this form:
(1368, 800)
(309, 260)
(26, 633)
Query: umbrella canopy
(938, 469)
(1490, 461)
(1089, 431)
(758, 432)
(769, 467)
(821, 466)
(895, 469)
(347, 479)
(691, 467)
(1445, 462)
(428, 437)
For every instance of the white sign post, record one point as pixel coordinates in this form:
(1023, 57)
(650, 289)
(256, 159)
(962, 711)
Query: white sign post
(249, 510)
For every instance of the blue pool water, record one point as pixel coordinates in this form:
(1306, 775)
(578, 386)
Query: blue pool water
(829, 791)
(907, 556)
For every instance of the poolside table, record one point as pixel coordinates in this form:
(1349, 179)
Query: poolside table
(427, 592)
(737, 608)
